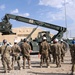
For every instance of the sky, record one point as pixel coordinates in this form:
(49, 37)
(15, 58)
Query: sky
(58, 12)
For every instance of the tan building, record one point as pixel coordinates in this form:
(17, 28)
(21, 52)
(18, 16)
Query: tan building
(21, 33)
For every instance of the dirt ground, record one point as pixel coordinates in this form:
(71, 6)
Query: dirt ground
(65, 68)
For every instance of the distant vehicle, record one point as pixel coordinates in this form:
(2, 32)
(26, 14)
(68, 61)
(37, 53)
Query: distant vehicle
(34, 42)
(1, 43)
(69, 40)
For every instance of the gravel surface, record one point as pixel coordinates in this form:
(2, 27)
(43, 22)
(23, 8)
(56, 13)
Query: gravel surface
(65, 68)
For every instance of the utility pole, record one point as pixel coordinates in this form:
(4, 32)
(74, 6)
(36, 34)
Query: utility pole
(65, 18)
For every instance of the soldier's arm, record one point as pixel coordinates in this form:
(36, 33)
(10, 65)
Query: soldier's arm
(29, 47)
(49, 48)
(64, 47)
(62, 50)
(1, 51)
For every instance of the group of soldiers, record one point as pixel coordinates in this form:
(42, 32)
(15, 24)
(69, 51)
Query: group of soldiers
(15, 51)
(57, 49)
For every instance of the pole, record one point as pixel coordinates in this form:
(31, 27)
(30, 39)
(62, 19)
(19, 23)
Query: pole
(65, 17)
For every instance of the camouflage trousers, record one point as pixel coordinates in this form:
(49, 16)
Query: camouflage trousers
(6, 63)
(62, 58)
(54, 57)
(50, 57)
(24, 61)
(73, 67)
(16, 59)
(58, 60)
(73, 64)
(45, 57)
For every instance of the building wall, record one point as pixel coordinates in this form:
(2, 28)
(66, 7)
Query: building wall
(21, 33)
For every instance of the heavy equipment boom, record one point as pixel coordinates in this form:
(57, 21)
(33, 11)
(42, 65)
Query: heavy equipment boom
(60, 29)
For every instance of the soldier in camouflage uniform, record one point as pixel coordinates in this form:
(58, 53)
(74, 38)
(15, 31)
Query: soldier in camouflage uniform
(72, 48)
(62, 53)
(16, 50)
(53, 53)
(71, 52)
(26, 53)
(58, 50)
(44, 52)
(5, 56)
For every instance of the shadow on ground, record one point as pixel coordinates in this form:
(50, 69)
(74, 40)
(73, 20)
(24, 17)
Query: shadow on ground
(38, 73)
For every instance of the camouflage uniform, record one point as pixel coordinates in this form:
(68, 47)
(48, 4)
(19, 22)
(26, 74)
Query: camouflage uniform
(26, 54)
(72, 48)
(44, 51)
(5, 57)
(53, 53)
(71, 52)
(63, 51)
(58, 50)
(16, 50)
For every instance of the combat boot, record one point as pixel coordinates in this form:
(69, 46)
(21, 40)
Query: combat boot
(59, 65)
(40, 66)
(56, 65)
(24, 67)
(29, 67)
(62, 60)
(20, 68)
(48, 66)
(12, 68)
(6, 71)
(9, 70)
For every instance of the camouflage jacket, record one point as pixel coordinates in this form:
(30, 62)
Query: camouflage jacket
(25, 48)
(16, 50)
(5, 50)
(72, 50)
(44, 47)
(58, 49)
